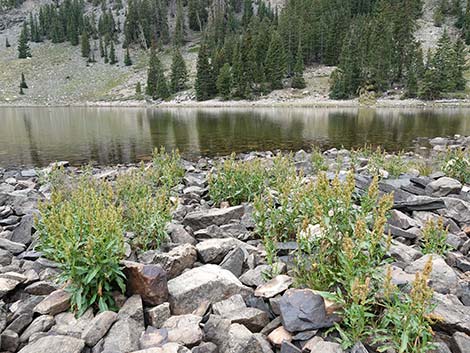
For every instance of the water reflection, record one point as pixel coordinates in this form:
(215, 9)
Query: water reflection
(37, 136)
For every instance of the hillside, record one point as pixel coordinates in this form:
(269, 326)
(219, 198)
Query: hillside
(57, 74)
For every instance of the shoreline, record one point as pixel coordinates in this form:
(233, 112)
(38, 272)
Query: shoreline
(264, 103)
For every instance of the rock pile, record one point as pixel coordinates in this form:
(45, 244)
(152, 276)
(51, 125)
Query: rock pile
(205, 290)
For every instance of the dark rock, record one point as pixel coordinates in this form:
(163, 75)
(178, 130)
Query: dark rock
(20, 322)
(150, 281)
(40, 324)
(11, 246)
(55, 303)
(123, 336)
(420, 203)
(218, 216)
(460, 342)
(9, 341)
(206, 347)
(443, 187)
(158, 315)
(234, 261)
(40, 288)
(302, 310)
(288, 347)
(98, 327)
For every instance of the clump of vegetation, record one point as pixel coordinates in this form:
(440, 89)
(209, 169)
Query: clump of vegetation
(81, 228)
(456, 164)
(434, 237)
(237, 182)
(167, 168)
(318, 160)
(405, 325)
(379, 161)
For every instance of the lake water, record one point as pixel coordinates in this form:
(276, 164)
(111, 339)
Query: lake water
(37, 136)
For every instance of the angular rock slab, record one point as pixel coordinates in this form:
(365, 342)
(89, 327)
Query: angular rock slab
(274, 287)
(150, 281)
(208, 283)
(302, 310)
(57, 344)
(98, 327)
(55, 303)
(218, 216)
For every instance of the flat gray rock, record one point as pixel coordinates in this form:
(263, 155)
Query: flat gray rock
(60, 344)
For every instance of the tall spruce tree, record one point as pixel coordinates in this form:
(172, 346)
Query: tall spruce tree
(85, 45)
(205, 83)
(298, 80)
(276, 62)
(224, 82)
(112, 54)
(179, 73)
(127, 58)
(178, 36)
(23, 48)
(23, 82)
(7, 43)
(157, 86)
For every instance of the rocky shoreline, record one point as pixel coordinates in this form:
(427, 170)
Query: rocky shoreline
(204, 290)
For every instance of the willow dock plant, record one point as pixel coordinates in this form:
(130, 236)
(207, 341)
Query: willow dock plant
(82, 225)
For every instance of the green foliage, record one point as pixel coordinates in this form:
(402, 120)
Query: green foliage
(157, 86)
(179, 73)
(456, 164)
(168, 170)
(81, 229)
(112, 54)
(127, 58)
(23, 82)
(405, 325)
(275, 66)
(434, 237)
(205, 84)
(85, 45)
(178, 36)
(318, 160)
(298, 79)
(224, 81)
(23, 47)
(237, 182)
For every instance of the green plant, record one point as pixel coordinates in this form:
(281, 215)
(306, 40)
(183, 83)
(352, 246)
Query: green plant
(167, 168)
(405, 325)
(237, 182)
(146, 206)
(81, 229)
(318, 160)
(456, 164)
(434, 237)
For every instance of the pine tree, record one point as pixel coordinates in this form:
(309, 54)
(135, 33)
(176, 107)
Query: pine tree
(275, 66)
(23, 47)
(157, 87)
(224, 82)
(23, 82)
(179, 73)
(138, 89)
(298, 80)
(204, 85)
(459, 65)
(127, 58)
(102, 51)
(178, 36)
(247, 12)
(7, 43)
(239, 82)
(21, 91)
(112, 54)
(85, 45)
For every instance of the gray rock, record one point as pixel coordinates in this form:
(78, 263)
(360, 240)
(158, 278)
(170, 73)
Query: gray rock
(401, 220)
(404, 253)
(153, 337)
(40, 324)
(218, 216)
(150, 281)
(177, 260)
(443, 278)
(302, 309)
(453, 315)
(457, 209)
(253, 319)
(234, 261)
(132, 309)
(274, 287)
(208, 283)
(55, 303)
(9, 341)
(420, 203)
(60, 344)
(460, 342)
(241, 340)
(443, 187)
(255, 277)
(288, 347)
(20, 322)
(263, 343)
(205, 347)
(158, 314)
(98, 327)
(7, 285)
(123, 336)
(11, 246)
(326, 347)
(179, 235)
(22, 233)
(216, 330)
(214, 250)
(40, 288)
(184, 329)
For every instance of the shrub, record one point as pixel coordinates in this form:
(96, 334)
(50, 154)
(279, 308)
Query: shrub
(456, 164)
(318, 161)
(434, 237)
(146, 207)
(82, 230)
(167, 168)
(237, 182)
(405, 326)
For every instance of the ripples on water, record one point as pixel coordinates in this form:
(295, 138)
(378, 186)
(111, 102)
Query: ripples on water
(37, 136)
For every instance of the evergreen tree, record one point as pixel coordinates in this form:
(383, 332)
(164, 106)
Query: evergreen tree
(102, 51)
(21, 91)
(157, 87)
(239, 82)
(7, 43)
(112, 54)
(247, 12)
(204, 85)
(179, 73)
(298, 79)
(23, 82)
(23, 47)
(138, 89)
(127, 58)
(85, 45)
(275, 66)
(459, 65)
(178, 36)
(224, 82)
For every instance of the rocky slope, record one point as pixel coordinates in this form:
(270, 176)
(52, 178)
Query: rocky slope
(204, 290)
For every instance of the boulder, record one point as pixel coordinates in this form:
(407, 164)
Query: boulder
(241, 340)
(7, 285)
(9, 341)
(208, 283)
(153, 337)
(40, 288)
(460, 342)
(255, 277)
(214, 250)
(60, 344)
(234, 261)
(184, 329)
(22, 233)
(218, 216)
(11, 246)
(123, 336)
(158, 315)
(401, 220)
(177, 260)
(279, 335)
(443, 187)
(133, 309)
(326, 347)
(55, 303)
(287, 347)
(150, 281)
(253, 319)
(274, 287)
(302, 309)
(420, 203)
(453, 316)
(443, 278)
(457, 209)
(179, 235)
(98, 327)
(41, 324)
